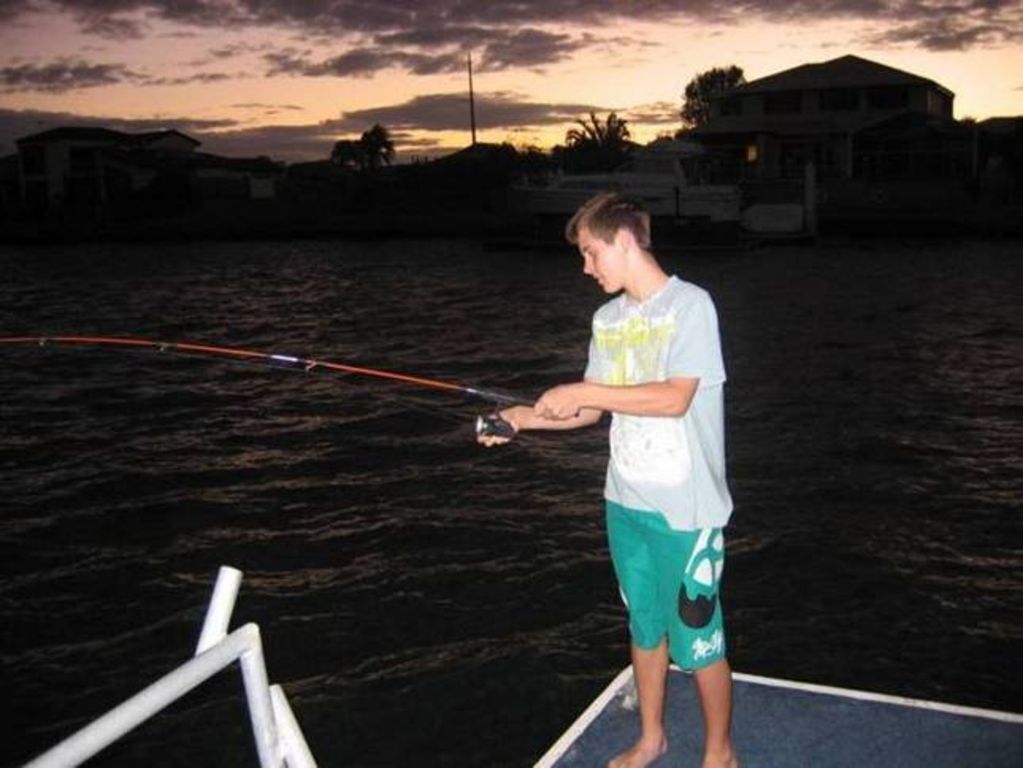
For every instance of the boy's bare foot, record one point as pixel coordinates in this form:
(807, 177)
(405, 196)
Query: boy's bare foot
(640, 756)
(720, 761)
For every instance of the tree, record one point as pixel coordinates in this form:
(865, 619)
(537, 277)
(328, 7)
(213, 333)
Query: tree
(347, 154)
(596, 146)
(377, 147)
(612, 134)
(371, 150)
(703, 88)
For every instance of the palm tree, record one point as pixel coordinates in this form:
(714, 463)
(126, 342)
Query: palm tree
(596, 146)
(377, 147)
(612, 134)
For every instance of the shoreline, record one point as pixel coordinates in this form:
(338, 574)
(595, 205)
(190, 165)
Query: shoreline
(276, 222)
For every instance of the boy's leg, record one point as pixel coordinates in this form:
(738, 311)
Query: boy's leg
(629, 540)
(698, 641)
(714, 685)
(650, 672)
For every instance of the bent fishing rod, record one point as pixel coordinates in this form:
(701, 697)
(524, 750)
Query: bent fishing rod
(485, 425)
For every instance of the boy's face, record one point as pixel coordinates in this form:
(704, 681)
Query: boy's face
(604, 262)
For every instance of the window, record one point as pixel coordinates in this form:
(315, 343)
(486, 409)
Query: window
(783, 102)
(33, 160)
(840, 99)
(37, 194)
(888, 97)
(731, 106)
(82, 160)
(939, 104)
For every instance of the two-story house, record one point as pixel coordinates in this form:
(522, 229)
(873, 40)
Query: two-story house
(74, 165)
(85, 166)
(848, 116)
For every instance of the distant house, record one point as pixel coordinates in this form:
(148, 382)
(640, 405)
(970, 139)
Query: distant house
(848, 116)
(1000, 157)
(9, 192)
(78, 166)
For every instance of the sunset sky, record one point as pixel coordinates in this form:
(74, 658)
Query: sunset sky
(287, 78)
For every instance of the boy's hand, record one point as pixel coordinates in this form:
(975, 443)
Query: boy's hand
(508, 415)
(559, 403)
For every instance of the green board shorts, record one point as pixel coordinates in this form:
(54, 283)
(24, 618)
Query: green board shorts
(669, 581)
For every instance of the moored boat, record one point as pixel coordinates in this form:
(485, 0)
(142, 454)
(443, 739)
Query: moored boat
(663, 175)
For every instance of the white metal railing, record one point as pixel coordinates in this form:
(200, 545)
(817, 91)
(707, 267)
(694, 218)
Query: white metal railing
(279, 740)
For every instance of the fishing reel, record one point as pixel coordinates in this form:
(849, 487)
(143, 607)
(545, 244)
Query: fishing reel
(493, 425)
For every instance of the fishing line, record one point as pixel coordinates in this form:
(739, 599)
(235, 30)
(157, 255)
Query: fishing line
(487, 425)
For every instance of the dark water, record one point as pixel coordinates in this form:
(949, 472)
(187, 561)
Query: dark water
(426, 602)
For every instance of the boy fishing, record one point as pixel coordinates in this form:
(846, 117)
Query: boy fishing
(655, 364)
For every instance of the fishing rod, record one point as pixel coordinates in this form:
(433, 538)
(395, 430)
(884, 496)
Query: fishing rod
(485, 425)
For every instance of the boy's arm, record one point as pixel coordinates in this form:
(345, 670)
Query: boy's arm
(660, 398)
(525, 417)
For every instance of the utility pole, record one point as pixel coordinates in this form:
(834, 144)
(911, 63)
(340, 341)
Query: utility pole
(472, 102)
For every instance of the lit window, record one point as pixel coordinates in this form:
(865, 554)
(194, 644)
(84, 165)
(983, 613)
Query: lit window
(752, 153)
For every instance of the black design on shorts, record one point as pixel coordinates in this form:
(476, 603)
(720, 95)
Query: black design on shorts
(696, 613)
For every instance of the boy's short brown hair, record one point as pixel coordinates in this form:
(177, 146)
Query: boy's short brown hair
(608, 212)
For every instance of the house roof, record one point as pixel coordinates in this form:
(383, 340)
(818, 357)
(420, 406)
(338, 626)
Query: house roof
(844, 72)
(80, 132)
(478, 152)
(98, 134)
(1002, 124)
(146, 158)
(150, 136)
(910, 125)
(729, 125)
(240, 164)
(901, 124)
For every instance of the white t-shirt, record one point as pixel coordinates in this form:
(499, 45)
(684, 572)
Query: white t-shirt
(666, 464)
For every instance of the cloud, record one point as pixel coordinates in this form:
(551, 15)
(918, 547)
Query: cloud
(528, 48)
(658, 113)
(275, 107)
(941, 34)
(429, 37)
(422, 124)
(200, 77)
(229, 51)
(361, 62)
(450, 112)
(952, 25)
(431, 51)
(399, 24)
(494, 110)
(112, 27)
(289, 143)
(63, 75)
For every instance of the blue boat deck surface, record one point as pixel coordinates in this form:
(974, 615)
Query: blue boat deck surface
(782, 724)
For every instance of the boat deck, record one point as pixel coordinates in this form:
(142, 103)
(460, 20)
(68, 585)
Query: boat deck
(782, 724)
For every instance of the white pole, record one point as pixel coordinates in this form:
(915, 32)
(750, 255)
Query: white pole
(296, 750)
(105, 730)
(218, 615)
(268, 709)
(257, 692)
